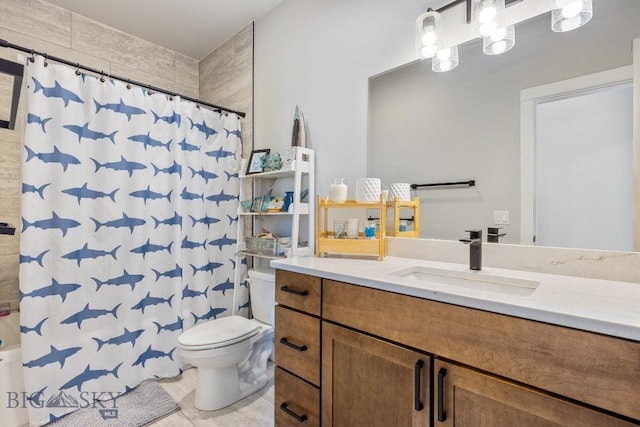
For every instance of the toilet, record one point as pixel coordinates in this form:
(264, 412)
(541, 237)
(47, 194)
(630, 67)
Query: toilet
(231, 353)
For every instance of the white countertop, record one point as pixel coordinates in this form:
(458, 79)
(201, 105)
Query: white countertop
(602, 306)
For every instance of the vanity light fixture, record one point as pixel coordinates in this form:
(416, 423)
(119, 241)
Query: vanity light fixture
(445, 60)
(499, 40)
(429, 38)
(568, 15)
(489, 20)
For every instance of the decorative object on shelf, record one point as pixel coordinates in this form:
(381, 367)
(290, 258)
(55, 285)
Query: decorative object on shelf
(299, 134)
(340, 228)
(276, 204)
(288, 199)
(271, 162)
(568, 15)
(255, 161)
(338, 190)
(352, 228)
(368, 189)
(246, 205)
(256, 205)
(370, 230)
(399, 190)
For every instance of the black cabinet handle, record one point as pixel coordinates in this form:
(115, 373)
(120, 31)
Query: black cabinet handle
(418, 385)
(286, 342)
(294, 291)
(284, 407)
(442, 415)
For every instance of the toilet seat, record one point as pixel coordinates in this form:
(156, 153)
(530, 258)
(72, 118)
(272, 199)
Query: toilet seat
(218, 333)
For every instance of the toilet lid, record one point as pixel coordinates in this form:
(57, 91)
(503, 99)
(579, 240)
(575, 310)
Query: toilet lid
(219, 333)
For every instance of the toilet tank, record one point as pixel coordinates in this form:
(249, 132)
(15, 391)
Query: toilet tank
(262, 290)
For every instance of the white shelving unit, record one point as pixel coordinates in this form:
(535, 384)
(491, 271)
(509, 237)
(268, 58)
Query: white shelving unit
(297, 176)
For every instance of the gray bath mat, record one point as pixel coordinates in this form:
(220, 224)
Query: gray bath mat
(142, 406)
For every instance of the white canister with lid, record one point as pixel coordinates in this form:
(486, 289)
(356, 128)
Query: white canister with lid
(338, 190)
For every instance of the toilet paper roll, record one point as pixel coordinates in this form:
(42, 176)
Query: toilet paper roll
(368, 190)
(401, 190)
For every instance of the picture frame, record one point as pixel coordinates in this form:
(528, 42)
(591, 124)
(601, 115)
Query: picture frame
(256, 205)
(255, 161)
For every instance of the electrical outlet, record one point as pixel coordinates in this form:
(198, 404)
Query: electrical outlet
(501, 217)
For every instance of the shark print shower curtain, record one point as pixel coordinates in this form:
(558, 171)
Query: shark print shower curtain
(128, 234)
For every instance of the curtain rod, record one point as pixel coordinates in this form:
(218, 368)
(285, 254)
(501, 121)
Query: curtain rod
(5, 43)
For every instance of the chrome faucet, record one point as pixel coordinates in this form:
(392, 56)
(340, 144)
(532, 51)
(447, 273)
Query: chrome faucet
(475, 249)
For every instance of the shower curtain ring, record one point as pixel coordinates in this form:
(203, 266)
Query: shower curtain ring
(33, 56)
(102, 76)
(46, 58)
(78, 69)
(149, 90)
(128, 83)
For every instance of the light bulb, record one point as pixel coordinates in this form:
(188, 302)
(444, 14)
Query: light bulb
(444, 54)
(572, 9)
(487, 13)
(488, 28)
(429, 51)
(498, 34)
(446, 65)
(570, 24)
(499, 47)
(429, 37)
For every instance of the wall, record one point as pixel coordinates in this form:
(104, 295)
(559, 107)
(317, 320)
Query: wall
(41, 26)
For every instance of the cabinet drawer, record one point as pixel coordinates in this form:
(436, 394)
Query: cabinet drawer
(297, 403)
(297, 343)
(298, 291)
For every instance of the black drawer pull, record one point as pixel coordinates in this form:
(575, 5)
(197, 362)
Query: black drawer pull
(284, 407)
(419, 406)
(286, 342)
(442, 415)
(294, 291)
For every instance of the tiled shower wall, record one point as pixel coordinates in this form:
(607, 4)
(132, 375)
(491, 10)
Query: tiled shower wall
(44, 27)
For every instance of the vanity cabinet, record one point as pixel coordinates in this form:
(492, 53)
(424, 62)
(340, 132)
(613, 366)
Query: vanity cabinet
(383, 352)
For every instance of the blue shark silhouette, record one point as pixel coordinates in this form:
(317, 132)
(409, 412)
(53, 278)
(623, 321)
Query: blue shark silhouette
(223, 241)
(207, 267)
(203, 128)
(220, 154)
(56, 156)
(188, 244)
(175, 220)
(54, 356)
(245, 284)
(147, 141)
(150, 247)
(88, 374)
(233, 132)
(124, 279)
(56, 91)
(221, 197)
(245, 305)
(84, 132)
(190, 196)
(148, 300)
(189, 293)
(174, 118)
(37, 329)
(25, 259)
(86, 193)
(55, 221)
(171, 327)
(227, 285)
(121, 108)
(244, 261)
(149, 353)
(36, 398)
(89, 313)
(213, 312)
(28, 188)
(187, 147)
(233, 264)
(32, 118)
(125, 221)
(86, 253)
(122, 165)
(232, 219)
(126, 337)
(176, 272)
(206, 220)
(150, 195)
(174, 168)
(203, 173)
(231, 175)
(53, 418)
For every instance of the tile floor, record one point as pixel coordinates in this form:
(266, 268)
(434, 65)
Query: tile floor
(253, 411)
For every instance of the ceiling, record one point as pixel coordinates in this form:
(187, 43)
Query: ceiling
(191, 27)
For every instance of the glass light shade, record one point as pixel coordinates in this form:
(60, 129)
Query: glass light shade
(568, 15)
(499, 41)
(487, 15)
(428, 37)
(445, 60)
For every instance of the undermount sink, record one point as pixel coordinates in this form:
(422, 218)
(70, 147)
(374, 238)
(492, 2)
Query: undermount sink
(470, 280)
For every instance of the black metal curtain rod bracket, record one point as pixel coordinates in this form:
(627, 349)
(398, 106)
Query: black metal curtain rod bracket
(7, 44)
(470, 183)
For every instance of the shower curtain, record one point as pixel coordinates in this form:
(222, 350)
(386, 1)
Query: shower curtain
(129, 217)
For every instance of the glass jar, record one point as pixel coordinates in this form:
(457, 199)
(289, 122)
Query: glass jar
(338, 190)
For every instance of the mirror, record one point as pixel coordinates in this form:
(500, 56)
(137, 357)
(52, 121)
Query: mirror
(427, 127)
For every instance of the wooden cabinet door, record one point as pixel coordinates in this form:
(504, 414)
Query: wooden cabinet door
(467, 398)
(370, 382)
